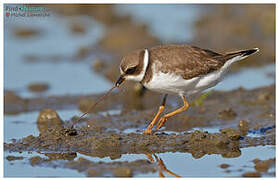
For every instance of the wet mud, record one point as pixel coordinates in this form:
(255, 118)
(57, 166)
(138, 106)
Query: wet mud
(103, 135)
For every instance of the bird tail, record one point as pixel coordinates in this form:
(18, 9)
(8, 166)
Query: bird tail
(239, 55)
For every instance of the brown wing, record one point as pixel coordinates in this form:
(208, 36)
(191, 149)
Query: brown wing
(188, 61)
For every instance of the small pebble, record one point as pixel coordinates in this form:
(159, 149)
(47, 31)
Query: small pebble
(47, 119)
(38, 87)
(224, 166)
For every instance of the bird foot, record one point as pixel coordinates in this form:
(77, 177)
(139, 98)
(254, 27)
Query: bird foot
(161, 123)
(148, 131)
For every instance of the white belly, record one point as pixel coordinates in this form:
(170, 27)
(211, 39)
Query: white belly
(175, 84)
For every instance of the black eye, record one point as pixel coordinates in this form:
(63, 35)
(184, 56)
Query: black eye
(131, 70)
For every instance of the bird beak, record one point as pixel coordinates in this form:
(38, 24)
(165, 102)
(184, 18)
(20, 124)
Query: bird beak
(120, 81)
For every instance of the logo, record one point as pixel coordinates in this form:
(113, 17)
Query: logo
(26, 11)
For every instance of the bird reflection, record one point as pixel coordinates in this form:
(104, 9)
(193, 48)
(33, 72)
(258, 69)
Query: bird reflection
(161, 166)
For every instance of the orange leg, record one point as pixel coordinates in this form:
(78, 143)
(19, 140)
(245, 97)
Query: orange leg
(163, 167)
(161, 109)
(162, 120)
(149, 156)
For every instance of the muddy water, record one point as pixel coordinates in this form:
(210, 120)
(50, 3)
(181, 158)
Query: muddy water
(230, 133)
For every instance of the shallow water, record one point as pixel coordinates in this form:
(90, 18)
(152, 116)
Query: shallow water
(57, 42)
(22, 168)
(182, 164)
(25, 124)
(185, 165)
(248, 78)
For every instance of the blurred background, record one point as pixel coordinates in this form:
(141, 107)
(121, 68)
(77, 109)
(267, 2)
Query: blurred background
(76, 49)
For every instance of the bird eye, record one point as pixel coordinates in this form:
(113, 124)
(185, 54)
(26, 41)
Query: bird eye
(130, 70)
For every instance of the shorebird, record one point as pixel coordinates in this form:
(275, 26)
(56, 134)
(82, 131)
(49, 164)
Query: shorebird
(177, 69)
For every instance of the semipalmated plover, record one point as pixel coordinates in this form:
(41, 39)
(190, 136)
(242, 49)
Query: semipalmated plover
(177, 69)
